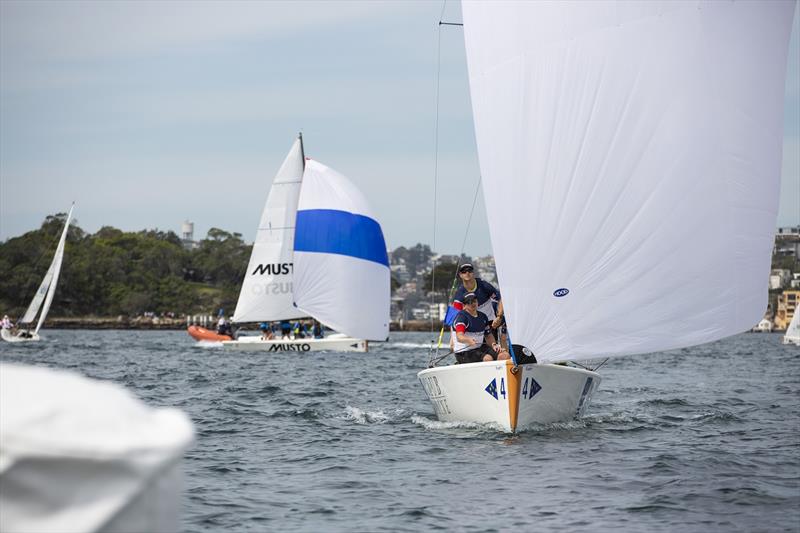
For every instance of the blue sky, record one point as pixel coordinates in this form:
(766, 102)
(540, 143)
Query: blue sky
(151, 113)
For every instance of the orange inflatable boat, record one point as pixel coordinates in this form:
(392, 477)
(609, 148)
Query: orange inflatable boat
(203, 334)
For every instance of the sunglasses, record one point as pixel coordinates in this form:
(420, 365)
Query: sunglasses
(465, 270)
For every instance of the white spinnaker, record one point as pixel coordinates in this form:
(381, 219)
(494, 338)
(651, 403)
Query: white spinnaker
(48, 286)
(630, 153)
(266, 292)
(341, 267)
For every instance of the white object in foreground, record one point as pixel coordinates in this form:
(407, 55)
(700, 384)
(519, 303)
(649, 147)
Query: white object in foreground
(43, 295)
(81, 455)
(335, 342)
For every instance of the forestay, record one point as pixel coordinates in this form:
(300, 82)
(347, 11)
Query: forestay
(48, 286)
(631, 153)
(341, 269)
(266, 292)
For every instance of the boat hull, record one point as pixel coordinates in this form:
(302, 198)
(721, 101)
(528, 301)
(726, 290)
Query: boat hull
(203, 334)
(791, 340)
(334, 343)
(512, 398)
(9, 336)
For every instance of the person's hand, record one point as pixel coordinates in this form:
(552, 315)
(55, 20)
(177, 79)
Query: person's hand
(496, 347)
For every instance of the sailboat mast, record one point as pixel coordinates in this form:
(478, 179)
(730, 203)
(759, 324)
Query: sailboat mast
(302, 150)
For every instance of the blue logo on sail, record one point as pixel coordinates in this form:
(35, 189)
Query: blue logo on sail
(559, 293)
(491, 388)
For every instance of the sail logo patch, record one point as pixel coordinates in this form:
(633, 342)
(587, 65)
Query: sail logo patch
(491, 388)
(559, 293)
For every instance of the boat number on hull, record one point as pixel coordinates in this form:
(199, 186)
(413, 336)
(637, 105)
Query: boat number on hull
(530, 391)
(491, 388)
(434, 392)
(290, 348)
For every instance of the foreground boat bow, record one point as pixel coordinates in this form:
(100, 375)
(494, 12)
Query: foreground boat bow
(513, 397)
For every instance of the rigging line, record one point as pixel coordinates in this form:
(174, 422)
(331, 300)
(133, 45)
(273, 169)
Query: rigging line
(436, 156)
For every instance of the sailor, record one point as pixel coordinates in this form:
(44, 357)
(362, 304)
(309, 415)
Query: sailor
(299, 330)
(473, 340)
(286, 329)
(221, 323)
(483, 290)
(6, 323)
(266, 332)
(316, 330)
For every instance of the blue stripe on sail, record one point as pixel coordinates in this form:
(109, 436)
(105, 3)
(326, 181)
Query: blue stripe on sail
(329, 231)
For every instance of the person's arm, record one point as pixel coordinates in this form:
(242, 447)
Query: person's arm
(461, 334)
(499, 318)
(491, 341)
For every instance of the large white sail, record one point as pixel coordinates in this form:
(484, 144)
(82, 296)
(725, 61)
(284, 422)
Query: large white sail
(266, 292)
(48, 286)
(341, 274)
(630, 155)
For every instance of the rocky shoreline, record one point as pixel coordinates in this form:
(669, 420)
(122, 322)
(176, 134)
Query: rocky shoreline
(158, 323)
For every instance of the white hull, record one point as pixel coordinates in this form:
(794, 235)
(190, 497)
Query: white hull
(8, 336)
(791, 340)
(335, 343)
(490, 393)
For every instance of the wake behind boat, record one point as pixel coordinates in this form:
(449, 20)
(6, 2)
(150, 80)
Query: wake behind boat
(43, 297)
(608, 134)
(319, 252)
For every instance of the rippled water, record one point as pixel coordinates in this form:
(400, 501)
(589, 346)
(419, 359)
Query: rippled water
(700, 439)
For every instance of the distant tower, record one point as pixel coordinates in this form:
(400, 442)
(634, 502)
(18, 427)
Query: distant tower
(187, 231)
(187, 235)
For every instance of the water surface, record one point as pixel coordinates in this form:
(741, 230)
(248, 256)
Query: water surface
(700, 439)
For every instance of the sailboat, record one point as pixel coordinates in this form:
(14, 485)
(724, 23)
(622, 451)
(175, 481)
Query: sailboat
(633, 151)
(43, 297)
(319, 252)
(792, 335)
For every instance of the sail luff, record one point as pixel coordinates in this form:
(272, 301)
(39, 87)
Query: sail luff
(55, 270)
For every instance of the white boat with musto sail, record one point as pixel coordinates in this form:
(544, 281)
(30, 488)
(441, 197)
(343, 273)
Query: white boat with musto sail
(43, 297)
(319, 252)
(631, 153)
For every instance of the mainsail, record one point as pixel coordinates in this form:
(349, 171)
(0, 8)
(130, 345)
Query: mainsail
(266, 292)
(48, 286)
(633, 150)
(341, 274)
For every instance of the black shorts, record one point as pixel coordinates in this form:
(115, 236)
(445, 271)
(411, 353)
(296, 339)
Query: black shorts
(475, 355)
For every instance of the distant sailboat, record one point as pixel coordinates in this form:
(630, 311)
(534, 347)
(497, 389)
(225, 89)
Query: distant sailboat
(319, 252)
(630, 154)
(792, 335)
(43, 297)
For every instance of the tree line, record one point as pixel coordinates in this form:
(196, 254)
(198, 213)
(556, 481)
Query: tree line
(112, 272)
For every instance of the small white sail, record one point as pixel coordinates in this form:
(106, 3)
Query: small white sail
(792, 335)
(630, 155)
(48, 286)
(266, 292)
(341, 274)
